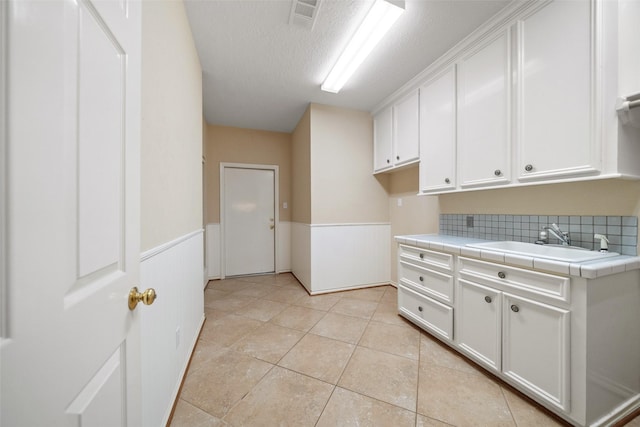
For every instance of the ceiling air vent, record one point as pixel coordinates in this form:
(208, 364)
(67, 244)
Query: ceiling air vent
(304, 12)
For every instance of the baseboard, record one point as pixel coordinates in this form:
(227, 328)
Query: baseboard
(350, 288)
(183, 375)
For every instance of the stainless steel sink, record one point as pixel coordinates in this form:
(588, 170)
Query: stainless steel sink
(558, 253)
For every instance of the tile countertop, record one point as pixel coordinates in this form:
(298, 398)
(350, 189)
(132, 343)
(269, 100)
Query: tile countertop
(457, 245)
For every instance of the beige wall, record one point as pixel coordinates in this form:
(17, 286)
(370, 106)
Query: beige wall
(605, 197)
(343, 188)
(234, 145)
(301, 170)
(417, 215)
(171, 131)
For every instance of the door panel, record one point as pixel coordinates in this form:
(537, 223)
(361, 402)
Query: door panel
(72, 348)
(249, 221)
(101, 108)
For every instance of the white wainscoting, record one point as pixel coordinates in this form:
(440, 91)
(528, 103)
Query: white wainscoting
(170, 326)
(213, 250)
(301, 253)
(283, 260)
(334, 257)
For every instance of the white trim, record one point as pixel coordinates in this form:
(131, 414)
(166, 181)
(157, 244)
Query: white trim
(276, 208)
(349, 224)
(168, 245)
(3, 170)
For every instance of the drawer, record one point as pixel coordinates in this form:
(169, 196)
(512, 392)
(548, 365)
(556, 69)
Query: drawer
(426, 258)
(505, 277)
(430, 282)
(425, 312)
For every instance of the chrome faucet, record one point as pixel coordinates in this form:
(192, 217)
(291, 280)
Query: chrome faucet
(563, 236)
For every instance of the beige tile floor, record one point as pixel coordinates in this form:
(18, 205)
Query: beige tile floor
(271, 355)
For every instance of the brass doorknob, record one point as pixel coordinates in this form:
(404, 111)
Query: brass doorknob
(147, 297)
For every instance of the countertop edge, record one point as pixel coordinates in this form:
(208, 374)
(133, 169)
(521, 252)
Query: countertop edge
(457, 245)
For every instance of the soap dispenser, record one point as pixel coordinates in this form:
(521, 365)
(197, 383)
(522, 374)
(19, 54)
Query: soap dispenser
(604, 242)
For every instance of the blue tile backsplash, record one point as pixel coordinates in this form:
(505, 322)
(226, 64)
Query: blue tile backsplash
(622, 231)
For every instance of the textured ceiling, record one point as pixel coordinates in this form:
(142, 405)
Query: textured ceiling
(260, 72)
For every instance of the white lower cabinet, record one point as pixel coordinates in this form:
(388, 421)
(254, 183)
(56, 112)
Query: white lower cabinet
(526, 340)
(535, 352)
(569, 343)
(426, 312)
(479, 323)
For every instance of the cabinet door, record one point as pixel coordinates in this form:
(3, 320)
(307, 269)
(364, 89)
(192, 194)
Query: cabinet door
(438, 133)
(382, 137)
(478, 320)
(406, 130)
(536, 348)
(483, 114)
(556, 81)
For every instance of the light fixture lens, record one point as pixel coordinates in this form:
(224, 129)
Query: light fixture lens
(379, 19)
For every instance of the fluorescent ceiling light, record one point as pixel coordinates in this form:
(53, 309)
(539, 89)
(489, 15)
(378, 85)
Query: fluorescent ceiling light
(379, 19)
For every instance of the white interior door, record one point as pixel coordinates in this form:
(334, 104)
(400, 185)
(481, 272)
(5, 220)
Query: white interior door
(249, 220)
(70, 348)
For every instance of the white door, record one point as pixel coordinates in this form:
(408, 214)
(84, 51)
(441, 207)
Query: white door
(70, 345)
(249, 220)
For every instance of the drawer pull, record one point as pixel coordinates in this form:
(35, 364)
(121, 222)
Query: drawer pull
(419, 308)
(501, 274)
(497, 172)
(421, 279)
(515, 308)
(421, 256)
(447, 180)
(487, 298)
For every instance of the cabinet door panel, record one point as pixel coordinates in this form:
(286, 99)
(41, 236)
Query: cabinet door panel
(483, 113)
(382, 136)
(536, 348)
(438, 133)
(556, 89)
(478, 320)
(406, 130)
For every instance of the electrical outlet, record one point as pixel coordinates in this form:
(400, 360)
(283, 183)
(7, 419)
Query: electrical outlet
(178, 337)
(399, 202)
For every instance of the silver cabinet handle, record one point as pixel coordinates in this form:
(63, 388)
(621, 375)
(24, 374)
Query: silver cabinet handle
(497, 172)
(421, 256)
(421, 279)
(487, 298)
(501, 274)
(447, 180)
(419, 308)
(528, 168)
(515, 308)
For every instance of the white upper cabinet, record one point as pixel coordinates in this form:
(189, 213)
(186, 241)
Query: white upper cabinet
(484, 153)
(396, 137)
(406, 130)
(382, 137)
(536, 91)
(556, 112)
(438, 133)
